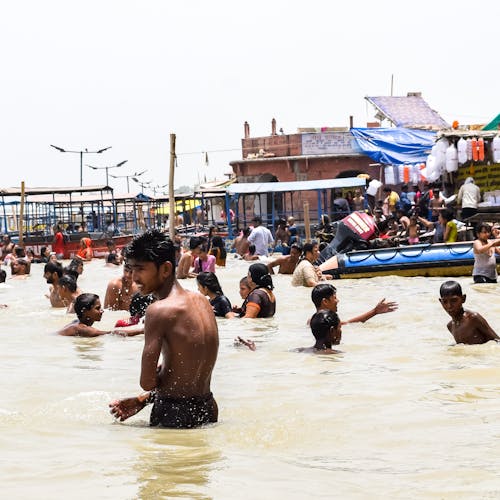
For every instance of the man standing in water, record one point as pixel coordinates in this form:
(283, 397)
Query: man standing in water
(187, 341)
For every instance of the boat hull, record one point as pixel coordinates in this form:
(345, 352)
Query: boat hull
(453, 259)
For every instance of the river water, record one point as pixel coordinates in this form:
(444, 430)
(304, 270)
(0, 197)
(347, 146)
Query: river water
(401, 413)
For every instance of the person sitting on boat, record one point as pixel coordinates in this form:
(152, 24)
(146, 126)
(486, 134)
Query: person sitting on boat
(209, 285)
(390, 201)
(467, 327)
(306, 274)
(120, 290)
(358, 201)
(485, 251)
(286, 263)
(445, 230)
(413, 231)
(85, 251)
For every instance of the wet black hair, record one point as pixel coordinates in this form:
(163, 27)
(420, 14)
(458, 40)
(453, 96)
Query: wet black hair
(449, 288)
(68, 282)
(322, 291)
(139, 303)
(209, 280)
(53, 267)
(308, 247)
(218, 242)
(3, 276)
(260, 276)
(321, 324)
(151, 246)
(85, 302)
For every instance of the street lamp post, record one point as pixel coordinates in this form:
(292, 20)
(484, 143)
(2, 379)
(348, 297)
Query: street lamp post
(107, 168)
(136, 174)
(142, 184)
(81, 153)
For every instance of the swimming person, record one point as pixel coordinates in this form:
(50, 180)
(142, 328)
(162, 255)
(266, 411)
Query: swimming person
(209, 285)
(261, 302)
(88, 310)
(288, 262)
(324, 297)
(467, 327)
(327, 331)
(180, 326)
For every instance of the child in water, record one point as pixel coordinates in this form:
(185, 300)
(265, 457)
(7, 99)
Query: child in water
(467, 327)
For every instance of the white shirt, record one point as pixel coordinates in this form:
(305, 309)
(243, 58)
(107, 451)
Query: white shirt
(469, 195)
(261, 237)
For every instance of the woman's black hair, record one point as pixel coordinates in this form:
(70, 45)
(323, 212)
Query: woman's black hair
(218, 242)
(260, 276)
(209, 280)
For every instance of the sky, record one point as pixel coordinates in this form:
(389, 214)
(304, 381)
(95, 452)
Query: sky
(127, 74)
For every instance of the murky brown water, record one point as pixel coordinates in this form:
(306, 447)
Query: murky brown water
(402, 413)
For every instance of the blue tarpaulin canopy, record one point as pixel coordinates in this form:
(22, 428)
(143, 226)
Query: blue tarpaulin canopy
(395, 146)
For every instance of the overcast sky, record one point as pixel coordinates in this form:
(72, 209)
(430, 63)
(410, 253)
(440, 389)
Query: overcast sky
(126, 74)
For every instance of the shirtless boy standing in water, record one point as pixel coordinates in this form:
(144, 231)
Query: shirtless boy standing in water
(180, 326)
(120, 290)
(467, 327)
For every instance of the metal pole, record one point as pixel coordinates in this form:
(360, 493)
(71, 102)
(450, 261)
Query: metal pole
(81, 168)
(171, 198)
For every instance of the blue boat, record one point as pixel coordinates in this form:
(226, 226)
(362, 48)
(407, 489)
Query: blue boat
(437, 259)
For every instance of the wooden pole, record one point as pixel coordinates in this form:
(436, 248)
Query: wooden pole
(21, 215)
(171, 196)
(307, 222)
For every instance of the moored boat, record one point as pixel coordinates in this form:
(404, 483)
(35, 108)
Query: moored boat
(438, 259)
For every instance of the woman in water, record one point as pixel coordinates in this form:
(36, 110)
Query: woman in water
(261, 302)
(485, 251)
(219, 250)
(209, 285)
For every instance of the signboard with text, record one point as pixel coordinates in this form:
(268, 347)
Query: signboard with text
(329, 143)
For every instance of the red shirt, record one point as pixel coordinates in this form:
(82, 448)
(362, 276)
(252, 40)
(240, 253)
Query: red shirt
(58, 244)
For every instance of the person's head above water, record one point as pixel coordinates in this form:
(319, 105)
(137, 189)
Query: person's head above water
(449, 288)
(259, 274)
(325, 326)
(86, 302)
(322, 291)
(151, 246)
(209, 280)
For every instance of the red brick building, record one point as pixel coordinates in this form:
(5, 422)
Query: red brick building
(310, 154)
